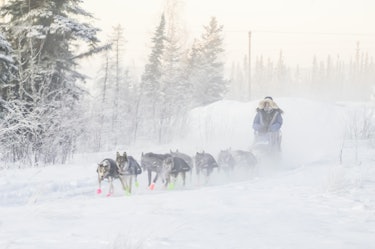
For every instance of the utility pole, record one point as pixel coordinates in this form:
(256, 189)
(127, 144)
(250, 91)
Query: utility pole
(249, 69)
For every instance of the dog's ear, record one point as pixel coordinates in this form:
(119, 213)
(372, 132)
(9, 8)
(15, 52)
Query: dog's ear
(125, 155)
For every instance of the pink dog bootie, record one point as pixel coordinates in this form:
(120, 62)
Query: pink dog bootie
(152, 186)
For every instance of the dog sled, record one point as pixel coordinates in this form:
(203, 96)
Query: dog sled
(268, 143)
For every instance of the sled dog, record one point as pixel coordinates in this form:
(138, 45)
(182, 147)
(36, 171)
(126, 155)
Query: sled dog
(165, 166)
(128, 168)
(188, 159)
(184, 156)
(108, 169)
(205, 162)
(226, 160)
(230, 159)
(173, 167)
(152, 162)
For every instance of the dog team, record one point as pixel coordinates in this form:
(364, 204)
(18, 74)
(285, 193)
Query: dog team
(167, 167)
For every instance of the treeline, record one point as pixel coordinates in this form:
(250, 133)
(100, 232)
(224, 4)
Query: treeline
(329, 78)
(177, 77)
(47, 113)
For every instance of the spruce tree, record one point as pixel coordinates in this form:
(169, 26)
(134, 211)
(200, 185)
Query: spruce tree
(207, 66)
(175, 97)
(151, 77)
(47, 38)
(150, 99)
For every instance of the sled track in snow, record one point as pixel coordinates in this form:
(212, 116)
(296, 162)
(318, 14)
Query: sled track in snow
(17, 193)
(32, 192)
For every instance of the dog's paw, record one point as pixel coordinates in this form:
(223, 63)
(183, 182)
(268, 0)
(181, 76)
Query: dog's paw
(137, 184)
(171, 186)
(152, 186)
(99, 191)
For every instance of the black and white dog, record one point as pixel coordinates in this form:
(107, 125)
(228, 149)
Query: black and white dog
(188, 159)
(129, 169)
(173, 167)
(205, 163)
(165, 166)
(230, 159)
(226, 160)
(108, 169)
(152, 162)
(244, 158)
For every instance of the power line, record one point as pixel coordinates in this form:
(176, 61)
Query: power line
(301, 33)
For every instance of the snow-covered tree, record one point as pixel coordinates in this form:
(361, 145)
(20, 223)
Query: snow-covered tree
(47, 37)
(207, 66)
(151, 78)
(7, 68)
(117, 41)
(44, 35)
(195, 73)
(174, 86)
(150, 98)
(238, 83)
(175, 99)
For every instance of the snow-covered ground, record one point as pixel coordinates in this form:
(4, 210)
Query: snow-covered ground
(306, 199)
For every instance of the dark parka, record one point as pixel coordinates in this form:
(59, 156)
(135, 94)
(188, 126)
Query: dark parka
(267, 122)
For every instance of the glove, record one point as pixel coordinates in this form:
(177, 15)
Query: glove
(272, 129)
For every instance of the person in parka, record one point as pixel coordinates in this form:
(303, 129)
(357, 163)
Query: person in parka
(267, 124)
(268, 117)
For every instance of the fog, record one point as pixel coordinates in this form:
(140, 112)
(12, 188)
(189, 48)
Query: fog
(301, 29)
(319, 192)
(305, 199)
(313, 49)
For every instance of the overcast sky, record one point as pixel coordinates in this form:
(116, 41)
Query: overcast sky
(300, 28)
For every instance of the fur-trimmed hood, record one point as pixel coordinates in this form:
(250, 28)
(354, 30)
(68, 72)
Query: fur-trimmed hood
(263, 102)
